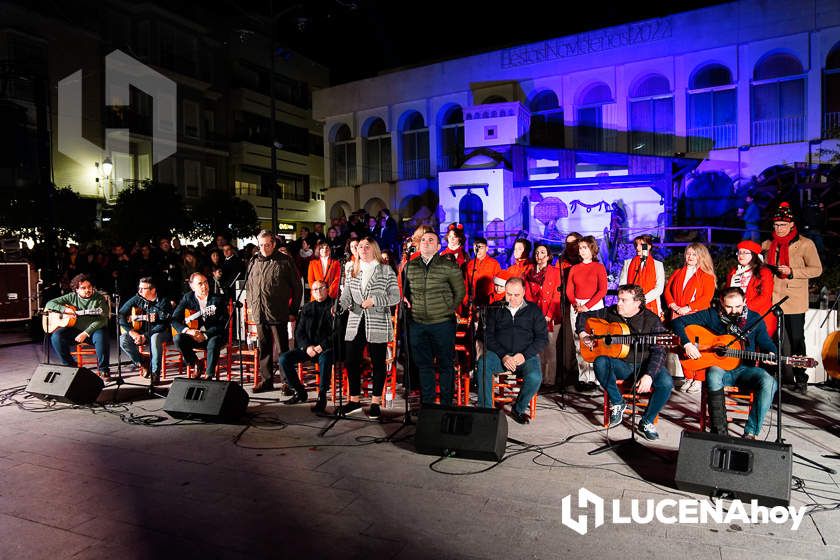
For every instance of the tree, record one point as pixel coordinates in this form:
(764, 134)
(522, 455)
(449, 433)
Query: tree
(221, 212)
(24, 214)
(147, 211)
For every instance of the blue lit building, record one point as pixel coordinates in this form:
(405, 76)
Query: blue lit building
(635, 126)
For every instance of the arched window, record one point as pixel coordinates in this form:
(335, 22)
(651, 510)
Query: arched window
(471, 214)
(546, 120)
(343, 157)
(451, 138)
(596, 119)
(652, 117)
(415, 146)
(377, 150)
(778, 100)
(493, 99)
(712, 109)
(831, 94)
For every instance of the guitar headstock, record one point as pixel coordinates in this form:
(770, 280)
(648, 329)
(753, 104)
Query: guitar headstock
(210, 310)
(804, 362)
(668, 339)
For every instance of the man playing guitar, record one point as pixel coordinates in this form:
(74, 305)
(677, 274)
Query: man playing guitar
(83, 327)
(142, 317)
(733, 317)
(650, 363)
(209, 328)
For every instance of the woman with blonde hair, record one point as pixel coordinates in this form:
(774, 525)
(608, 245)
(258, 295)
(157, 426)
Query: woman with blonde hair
(692, 287)
(371, 291)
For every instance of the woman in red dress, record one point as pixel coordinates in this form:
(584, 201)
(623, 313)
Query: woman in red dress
(586, 288)
(541, 282)
(756, 280)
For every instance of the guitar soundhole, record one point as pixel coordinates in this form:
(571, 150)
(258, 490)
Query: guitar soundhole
(720, 352)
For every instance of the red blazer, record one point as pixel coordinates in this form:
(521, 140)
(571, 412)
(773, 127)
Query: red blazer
(545, 295)
(316, 274)
(698, 293)
(759, 294)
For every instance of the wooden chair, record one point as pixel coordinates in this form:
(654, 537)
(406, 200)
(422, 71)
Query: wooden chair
(506, 387)
(249, 354)
(737, 402)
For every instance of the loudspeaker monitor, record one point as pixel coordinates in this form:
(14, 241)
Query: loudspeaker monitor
(472, 433)
(735, 468)
(213, 401)
(67, 384)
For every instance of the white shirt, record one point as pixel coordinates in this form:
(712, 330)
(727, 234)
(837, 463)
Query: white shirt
(367, 268)
(689, 272)
(513, 310)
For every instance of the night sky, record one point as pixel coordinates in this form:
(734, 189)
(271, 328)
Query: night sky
(378, 35)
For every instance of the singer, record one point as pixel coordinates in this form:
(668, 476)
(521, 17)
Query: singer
(795, 260)
(645, 271)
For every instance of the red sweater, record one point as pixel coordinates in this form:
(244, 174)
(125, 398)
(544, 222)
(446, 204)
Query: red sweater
(481, 273)
(587, 281)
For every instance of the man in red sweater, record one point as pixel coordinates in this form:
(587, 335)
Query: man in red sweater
(480, 273)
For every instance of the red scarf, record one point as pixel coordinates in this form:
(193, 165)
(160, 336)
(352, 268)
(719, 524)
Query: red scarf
(779, 246)
(646, 278)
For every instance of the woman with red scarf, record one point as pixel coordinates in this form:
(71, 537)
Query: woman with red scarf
(793, 259)
(645, 271)
(755, 280)
(541, 288)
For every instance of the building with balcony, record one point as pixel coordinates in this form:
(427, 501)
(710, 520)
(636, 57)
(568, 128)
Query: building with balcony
(581, 132)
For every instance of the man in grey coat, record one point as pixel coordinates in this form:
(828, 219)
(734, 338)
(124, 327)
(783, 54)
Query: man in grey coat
(274, 294)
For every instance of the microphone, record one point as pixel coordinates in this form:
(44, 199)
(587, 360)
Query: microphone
(645, 251)
(411, 250)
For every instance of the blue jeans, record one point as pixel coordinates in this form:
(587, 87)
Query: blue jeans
(288, 361)
(63, 340)
(746, 377)
(427, 343)
(608, 370)
(133, 352)
(490, 364)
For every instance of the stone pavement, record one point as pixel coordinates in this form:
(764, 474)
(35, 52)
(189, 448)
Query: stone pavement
(126, 481)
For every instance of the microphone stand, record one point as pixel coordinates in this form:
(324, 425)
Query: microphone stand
(642, 262)
(338, 359)
(402, 310)
(631, 441)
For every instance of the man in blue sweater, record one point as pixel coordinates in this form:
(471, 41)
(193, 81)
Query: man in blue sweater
(514, 337)
(734, 318)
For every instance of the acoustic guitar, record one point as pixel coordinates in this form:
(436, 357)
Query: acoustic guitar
(614, 340)
(137, 317)
(54, 320)
(726, 352)
(830, 352)
(191, 319)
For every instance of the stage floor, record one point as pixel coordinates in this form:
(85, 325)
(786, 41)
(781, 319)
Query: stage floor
(88, 483)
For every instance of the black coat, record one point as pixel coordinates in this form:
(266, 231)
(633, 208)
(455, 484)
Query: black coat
(159, 307)
(524, 333)
(214, 325)
(314, 326)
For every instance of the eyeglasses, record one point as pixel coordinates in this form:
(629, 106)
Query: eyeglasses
(146, 288)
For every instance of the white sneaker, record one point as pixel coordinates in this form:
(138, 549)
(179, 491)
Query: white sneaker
(690, 386)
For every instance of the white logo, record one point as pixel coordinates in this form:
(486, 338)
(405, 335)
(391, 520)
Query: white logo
(121, 71)
(669, 511)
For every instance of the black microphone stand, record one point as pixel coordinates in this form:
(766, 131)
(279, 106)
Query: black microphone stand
(338, 359)
(637, 339)
(402, 310)
(560, 343)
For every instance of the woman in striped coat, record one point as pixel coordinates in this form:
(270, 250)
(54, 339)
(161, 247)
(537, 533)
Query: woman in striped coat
(371, 291)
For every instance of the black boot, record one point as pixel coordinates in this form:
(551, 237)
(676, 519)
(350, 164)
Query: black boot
(321, 404)
(717, 412)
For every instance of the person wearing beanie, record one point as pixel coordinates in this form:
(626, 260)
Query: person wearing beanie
(794, 260)
(755, 280)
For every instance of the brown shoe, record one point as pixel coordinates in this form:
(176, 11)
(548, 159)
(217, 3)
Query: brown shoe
(144, 372)
(263, 387)
(104, 375)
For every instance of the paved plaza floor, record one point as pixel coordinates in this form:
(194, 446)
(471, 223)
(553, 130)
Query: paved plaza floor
(124, 480)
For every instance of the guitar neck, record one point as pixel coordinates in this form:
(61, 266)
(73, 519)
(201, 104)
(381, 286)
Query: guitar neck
(630, 339)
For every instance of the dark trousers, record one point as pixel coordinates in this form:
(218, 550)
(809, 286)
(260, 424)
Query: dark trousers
(186, 345)
(794, 345)
(288, 361)
(266, 335)
(353, 362)
(63, 340)
(427, 343)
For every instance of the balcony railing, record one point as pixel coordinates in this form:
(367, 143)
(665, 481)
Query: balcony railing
(778, 131)
(415, 168)
(378, 174)
(831, 125)
(705, 138)
(449, 161)
(597, 139)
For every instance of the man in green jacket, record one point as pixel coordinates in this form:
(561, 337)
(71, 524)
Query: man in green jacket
(435, 288)
(92, 328)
